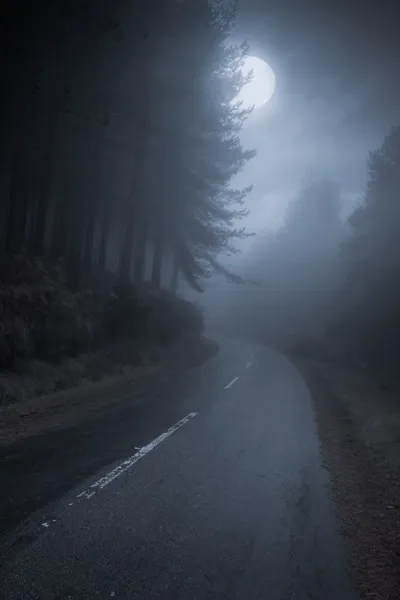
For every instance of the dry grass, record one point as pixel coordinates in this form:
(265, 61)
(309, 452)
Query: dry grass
(36, 415)
(374, 401)
(31, 414)
(32, 378)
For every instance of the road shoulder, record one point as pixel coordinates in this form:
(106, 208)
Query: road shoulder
(80, 437)
(35, 416)
(358, 417)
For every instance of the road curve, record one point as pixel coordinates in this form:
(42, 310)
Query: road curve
(227, 500)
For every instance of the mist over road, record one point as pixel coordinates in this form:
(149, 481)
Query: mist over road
(225, 497)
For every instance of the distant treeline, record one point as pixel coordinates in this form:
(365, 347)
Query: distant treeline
(328, 284)
(369, 316)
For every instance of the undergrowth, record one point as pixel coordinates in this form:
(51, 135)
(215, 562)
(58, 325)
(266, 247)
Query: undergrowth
(52, 336)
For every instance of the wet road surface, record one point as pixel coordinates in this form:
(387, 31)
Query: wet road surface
(213, 488)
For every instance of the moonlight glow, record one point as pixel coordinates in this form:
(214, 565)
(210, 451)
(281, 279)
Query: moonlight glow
(262, 86)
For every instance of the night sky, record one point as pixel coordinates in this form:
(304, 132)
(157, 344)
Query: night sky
(338, 94)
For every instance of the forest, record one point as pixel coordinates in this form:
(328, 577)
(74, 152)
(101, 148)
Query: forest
(326, 283)
(120, 139)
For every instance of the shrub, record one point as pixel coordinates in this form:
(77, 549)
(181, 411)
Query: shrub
(124, 316)
(170, 317)
(40, 317)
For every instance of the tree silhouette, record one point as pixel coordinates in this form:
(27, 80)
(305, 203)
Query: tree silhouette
(125, 138)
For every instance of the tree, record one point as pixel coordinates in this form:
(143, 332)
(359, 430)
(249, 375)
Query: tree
(371, 257)
(122, 86)
(205, 152)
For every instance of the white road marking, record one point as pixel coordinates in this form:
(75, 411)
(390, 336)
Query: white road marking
(45, 524)
(230, 384)
(129, 462)
(249, 365)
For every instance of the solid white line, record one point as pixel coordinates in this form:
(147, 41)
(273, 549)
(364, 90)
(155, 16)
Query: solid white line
(230, 384)
(129, 462)
(249, 365)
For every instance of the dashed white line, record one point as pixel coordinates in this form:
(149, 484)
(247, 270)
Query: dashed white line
(230, 384)
(249, 364)
(129, 462)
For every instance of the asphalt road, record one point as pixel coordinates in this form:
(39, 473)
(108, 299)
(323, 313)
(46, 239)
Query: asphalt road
(213, 488)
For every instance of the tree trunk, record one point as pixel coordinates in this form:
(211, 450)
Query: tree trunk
(89, 237)
(75, 247)
(157, 260)
(125, 258)
(18, 205)
(175, 275)
(61, 225)
(140, 251)
(126, 248)
(31, 226)
(104, 235)
(42, 207)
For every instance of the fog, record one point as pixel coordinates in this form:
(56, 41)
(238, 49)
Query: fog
(312, 265)
(337, 92)
(124, 155)
(218, 285)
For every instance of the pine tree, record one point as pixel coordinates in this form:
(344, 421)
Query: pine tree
(200, 128)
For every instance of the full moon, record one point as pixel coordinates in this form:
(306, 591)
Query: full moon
(261, 88)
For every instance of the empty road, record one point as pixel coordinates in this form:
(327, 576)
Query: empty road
(211, 488)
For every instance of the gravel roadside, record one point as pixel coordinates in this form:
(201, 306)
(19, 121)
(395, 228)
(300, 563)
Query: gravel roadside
(358, 417)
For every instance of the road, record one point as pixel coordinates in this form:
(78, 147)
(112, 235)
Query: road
(214, 489)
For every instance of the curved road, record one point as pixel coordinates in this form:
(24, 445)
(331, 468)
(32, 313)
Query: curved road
(225, 497)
